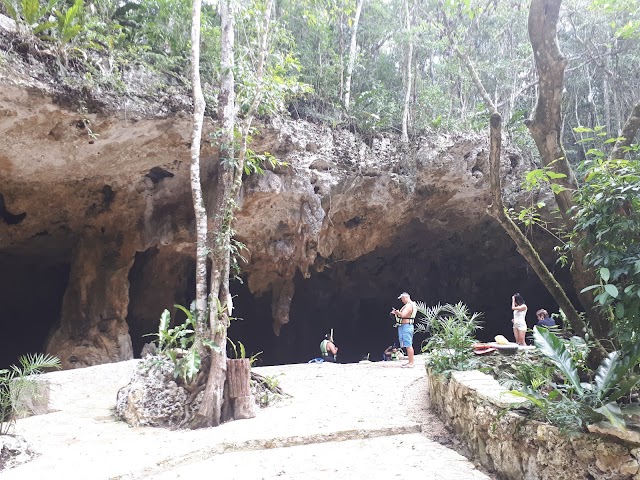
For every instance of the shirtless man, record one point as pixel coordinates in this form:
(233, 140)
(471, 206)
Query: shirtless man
(406, 317)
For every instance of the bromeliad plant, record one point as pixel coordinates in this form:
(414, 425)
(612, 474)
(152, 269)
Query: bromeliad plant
(573, 404)
(178, 343)
(452, 329)
(18, 382)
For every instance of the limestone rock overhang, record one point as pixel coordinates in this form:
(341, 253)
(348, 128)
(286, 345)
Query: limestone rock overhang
(94, 193)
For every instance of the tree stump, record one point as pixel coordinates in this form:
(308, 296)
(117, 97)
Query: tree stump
(238, 380)
(244, 407)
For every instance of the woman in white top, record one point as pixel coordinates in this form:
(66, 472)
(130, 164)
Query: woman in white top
(519, 312)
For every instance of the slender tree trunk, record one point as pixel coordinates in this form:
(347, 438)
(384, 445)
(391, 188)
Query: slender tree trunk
(607, 101)
(229, 182)
(524, 247)
(210, 410)
(196, 185)
(352, 55)
(407, 77)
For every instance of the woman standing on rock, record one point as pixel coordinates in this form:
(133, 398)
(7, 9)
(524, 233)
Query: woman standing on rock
(519, 312)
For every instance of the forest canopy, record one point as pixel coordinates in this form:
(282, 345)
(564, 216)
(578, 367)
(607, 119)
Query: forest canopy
(407, 53)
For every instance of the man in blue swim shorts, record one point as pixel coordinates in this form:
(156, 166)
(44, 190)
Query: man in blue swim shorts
(405, 318)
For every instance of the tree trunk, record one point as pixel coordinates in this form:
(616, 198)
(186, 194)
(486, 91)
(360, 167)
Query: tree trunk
(407, 77)
(210, 410)
(524, 247)
(238, 377)
(545, 128)
(196, 185)
(229, 181)
(352, 55)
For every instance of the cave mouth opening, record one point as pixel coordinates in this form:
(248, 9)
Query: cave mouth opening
(478, 266)
(32, 287)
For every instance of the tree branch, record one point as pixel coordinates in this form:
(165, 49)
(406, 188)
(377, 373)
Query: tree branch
(629, 132)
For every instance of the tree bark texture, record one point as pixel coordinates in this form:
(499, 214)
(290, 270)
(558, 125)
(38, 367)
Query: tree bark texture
(524, 247)
(545, 128)
(196, 185)
(547, 119)
(352, 55)
(407, 76)
(238, 376)
(210, 410)
(244, 407)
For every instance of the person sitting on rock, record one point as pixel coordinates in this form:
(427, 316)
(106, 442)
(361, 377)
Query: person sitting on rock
(544, 320)
(328, 350)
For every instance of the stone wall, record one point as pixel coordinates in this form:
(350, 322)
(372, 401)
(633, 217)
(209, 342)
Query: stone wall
(484, 415)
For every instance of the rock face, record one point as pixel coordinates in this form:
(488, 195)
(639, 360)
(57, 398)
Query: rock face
(152, 397)
(476, 408)
(14, 450)
(96, 227)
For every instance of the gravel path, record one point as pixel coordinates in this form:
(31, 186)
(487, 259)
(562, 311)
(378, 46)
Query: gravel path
(366, 420)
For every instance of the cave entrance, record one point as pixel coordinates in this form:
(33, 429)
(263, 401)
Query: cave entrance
(478, 266)
(33, 281)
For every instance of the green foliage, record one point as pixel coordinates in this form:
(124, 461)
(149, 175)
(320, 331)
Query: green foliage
(452, 329)
(608, 226)
(570, 403)
(267, 388)
(178, 342)
(30, 14)
(239, 351)
(18, 382)
(69, 23)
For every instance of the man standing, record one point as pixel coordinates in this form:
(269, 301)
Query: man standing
(405, 317)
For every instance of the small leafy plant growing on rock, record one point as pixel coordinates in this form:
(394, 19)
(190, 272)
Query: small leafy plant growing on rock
(18, 382)
(452, 329)
(572, 404)
(178, 343)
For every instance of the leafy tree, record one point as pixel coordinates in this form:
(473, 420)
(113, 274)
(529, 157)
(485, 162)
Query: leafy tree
(608, 222)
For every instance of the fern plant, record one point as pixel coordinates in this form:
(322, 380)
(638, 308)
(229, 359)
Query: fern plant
(452, 329)
(18, 382)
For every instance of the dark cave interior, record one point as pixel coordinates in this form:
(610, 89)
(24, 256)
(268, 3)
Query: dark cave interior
(32, 288)
(478, 266)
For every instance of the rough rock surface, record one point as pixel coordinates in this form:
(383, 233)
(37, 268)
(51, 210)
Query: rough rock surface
(14, 450)
(473, 405)
(152, 397)
(96, 215)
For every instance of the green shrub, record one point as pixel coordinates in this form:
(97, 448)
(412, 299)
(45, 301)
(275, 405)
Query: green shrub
(572, 404)
(178, 343)
(16, 382)
(452, 329)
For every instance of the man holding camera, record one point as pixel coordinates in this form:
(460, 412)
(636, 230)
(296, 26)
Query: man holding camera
(405, 318)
